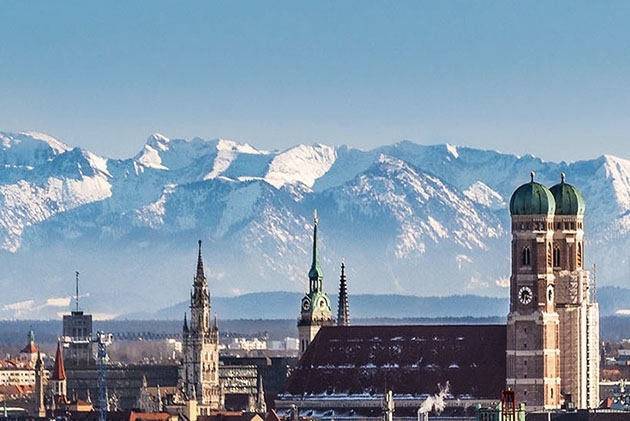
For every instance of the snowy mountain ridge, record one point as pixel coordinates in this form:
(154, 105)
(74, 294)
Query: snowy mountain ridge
(407, 218)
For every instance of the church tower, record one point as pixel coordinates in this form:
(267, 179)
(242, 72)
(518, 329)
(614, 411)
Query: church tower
(315, 308)
(533, 351)
(39, 387)
(199, 373)
(576, 307)
(30, 352)
(58, 381)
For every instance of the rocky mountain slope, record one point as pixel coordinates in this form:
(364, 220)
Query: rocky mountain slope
(407, 218)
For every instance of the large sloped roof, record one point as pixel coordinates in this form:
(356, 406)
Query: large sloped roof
(413, 360)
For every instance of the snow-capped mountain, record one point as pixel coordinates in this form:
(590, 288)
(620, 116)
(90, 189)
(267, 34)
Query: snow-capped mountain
(406, 218)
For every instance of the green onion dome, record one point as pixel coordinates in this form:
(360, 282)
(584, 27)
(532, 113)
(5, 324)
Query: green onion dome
(569, 200)
(532, 199)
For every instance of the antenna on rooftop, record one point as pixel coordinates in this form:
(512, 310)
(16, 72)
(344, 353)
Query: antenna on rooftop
(76, 297)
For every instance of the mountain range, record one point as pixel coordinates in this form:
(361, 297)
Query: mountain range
(406, 219)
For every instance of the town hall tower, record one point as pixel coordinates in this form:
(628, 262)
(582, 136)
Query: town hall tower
(199, 373)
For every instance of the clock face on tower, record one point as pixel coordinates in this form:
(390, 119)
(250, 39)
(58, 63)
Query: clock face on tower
(550, 293)
(306, 304)
(525, 295)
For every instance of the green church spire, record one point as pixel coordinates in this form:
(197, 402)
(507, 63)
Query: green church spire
(315, 275)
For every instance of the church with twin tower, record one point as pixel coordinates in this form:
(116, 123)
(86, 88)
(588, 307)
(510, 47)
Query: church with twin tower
(552, 355)
(552, 333)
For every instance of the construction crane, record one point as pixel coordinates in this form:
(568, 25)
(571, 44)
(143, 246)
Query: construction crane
(102, 340)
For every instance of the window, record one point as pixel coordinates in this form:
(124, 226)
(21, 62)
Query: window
(526, 256)
(556, 256)
(579, 255)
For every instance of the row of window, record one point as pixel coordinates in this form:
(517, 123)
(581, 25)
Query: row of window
(547, 226)
(551, 258)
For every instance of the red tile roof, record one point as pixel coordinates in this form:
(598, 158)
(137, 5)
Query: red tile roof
(30, 348)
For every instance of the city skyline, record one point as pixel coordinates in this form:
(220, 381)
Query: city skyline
(546, 79)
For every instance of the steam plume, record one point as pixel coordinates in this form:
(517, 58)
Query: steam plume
(436, 401)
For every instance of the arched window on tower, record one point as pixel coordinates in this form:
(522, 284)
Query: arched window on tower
(579, 255)
(526, 256)
(556, 257)
(549, 258)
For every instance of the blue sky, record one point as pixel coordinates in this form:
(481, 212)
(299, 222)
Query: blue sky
(547, 78)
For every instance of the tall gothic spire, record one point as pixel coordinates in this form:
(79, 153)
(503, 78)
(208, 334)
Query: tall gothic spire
(343, 311)
(315, 274)
(200, 273)
(199, 299)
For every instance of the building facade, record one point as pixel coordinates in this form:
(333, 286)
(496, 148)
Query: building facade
(315, 309)
(575, 301)
(77, 335)
(21, 371)
(199, 372)
(552, 352)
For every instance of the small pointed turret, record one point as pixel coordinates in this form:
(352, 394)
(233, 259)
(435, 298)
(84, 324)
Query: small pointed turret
(185, 327)
(59, 370)
(58, 380)
(343, 311)
(315, 274)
